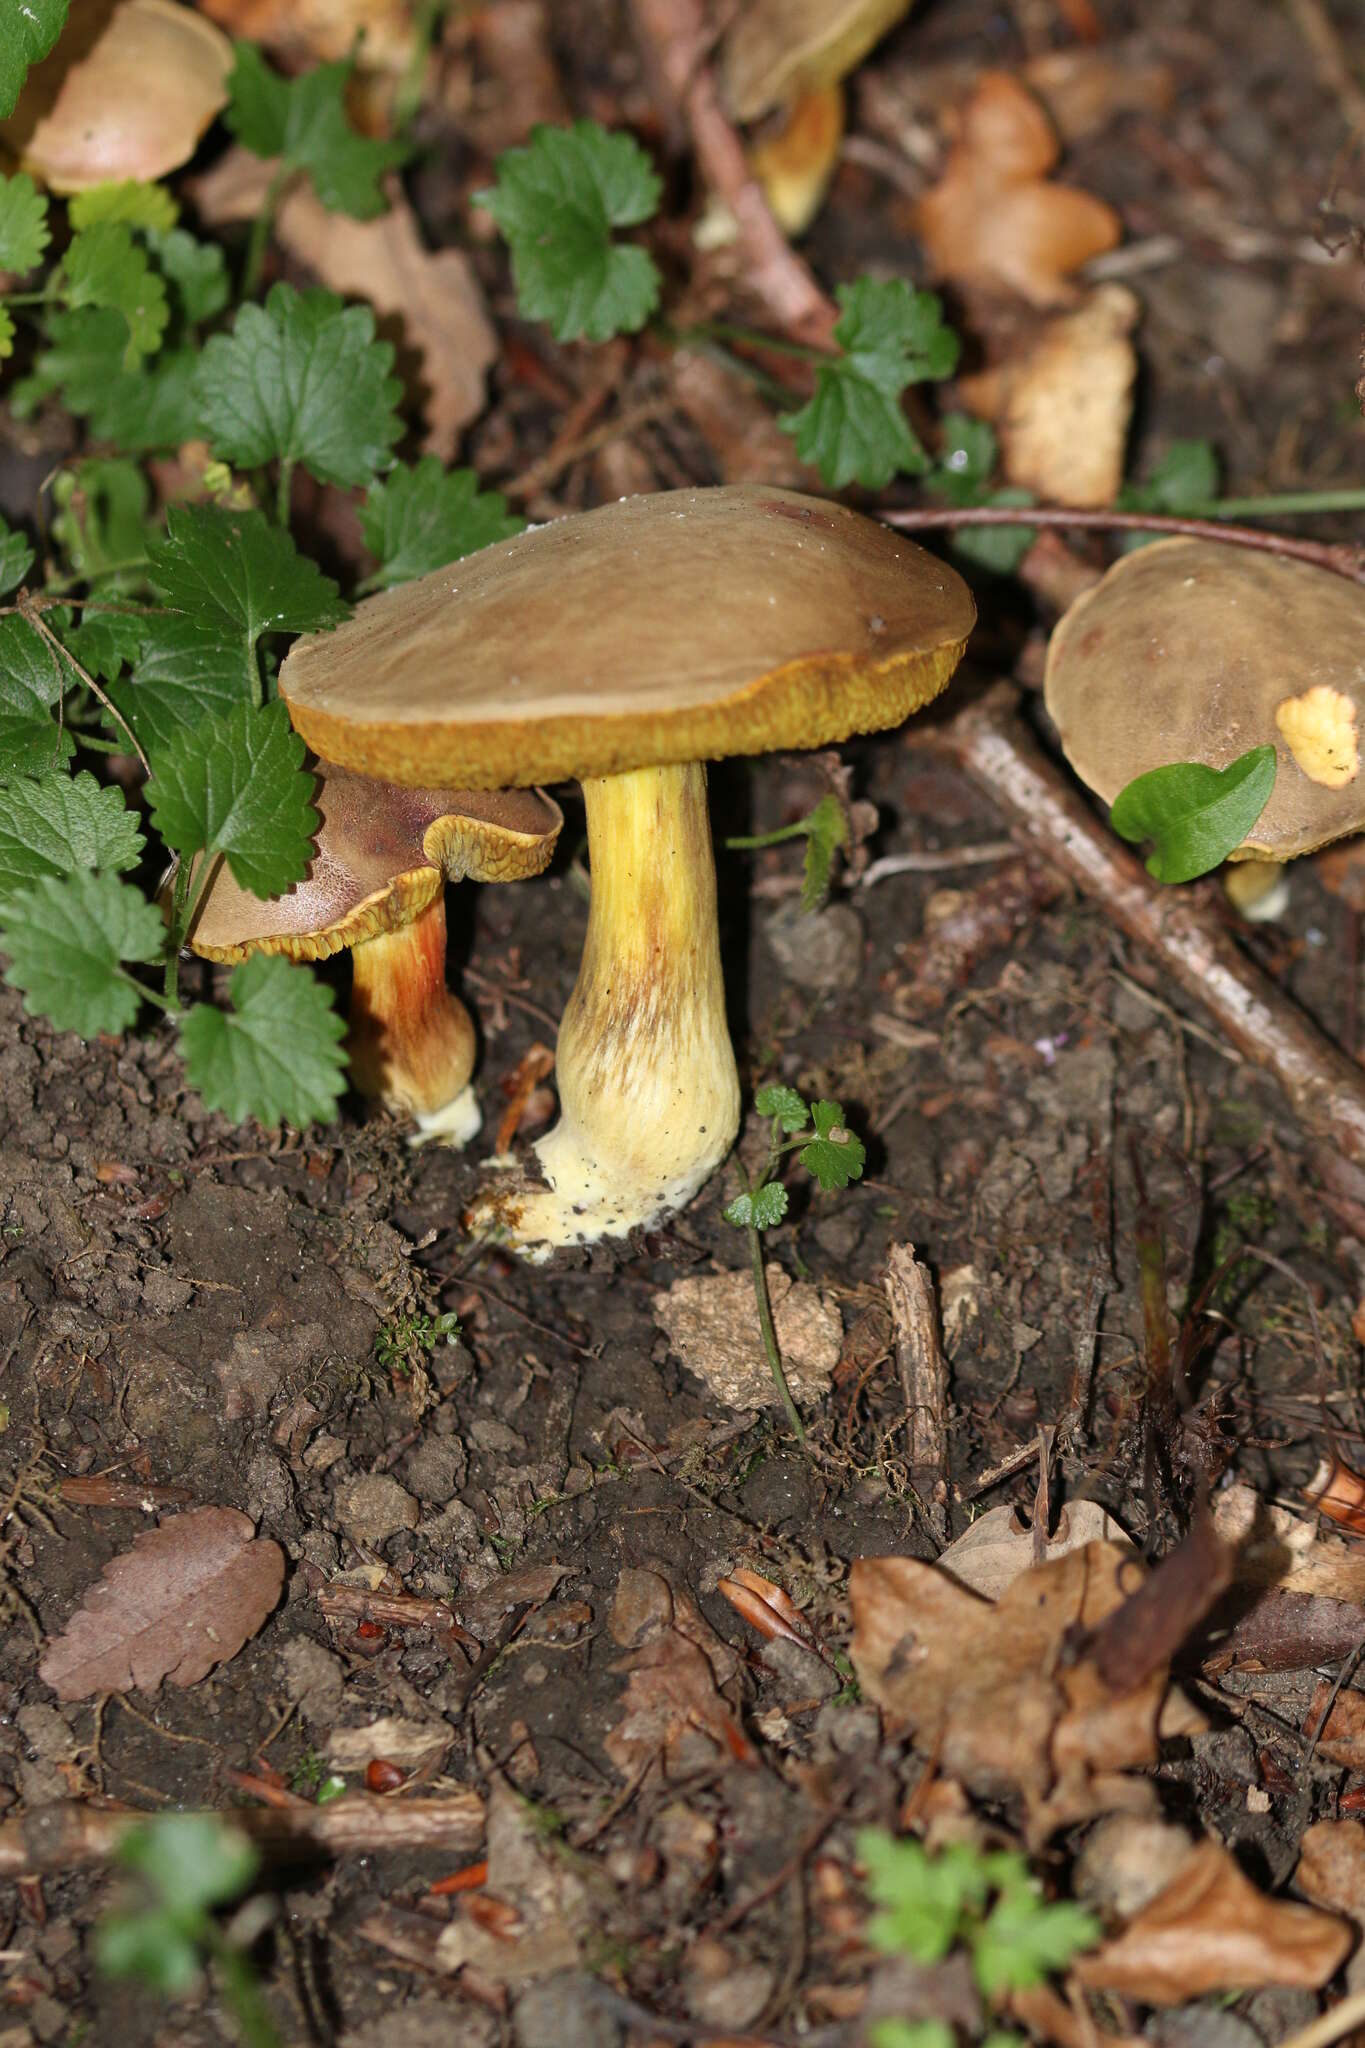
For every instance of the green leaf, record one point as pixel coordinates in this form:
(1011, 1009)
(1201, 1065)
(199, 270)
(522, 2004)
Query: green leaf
(924, 1899)
(826, 833)
(66, 938)
(911, 2034)
(24, 232)
(277, 1057)
(82, 351)
(151, 409)
(105, 268)
(196, 270)
(834, 1155)
(1195, 815)
(854, 429)
(303, 121)
(419, 519)
(236, 785)
(101, 518)
(105, 642)
(785, 1103)
(7, 333)
(1184, 480)
(32, 674)
(191, 1860)
(763, 1208)
(154, 1948)
(31, 744)
(556, 202)
(1000, 549)
(29, 34)
(16, 559)
(137, 205)
(301, 380)
(1023, 1940)
(63, 825)
(966, 463)
(233, 570)
(967, 449)
(187, 672)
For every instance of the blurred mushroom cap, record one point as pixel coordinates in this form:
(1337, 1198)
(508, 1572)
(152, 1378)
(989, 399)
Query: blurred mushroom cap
(779, 50)
(1192, 650)
(127, 92)
(383, 854)
(687, 625)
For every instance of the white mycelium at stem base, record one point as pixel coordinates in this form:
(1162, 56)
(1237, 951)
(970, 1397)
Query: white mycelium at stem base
(411, 1042)
(647, 1082)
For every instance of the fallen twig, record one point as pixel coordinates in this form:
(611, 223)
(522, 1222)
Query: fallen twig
(72, 1835)
(675, 32)
(1179, 926)
(924, 1381)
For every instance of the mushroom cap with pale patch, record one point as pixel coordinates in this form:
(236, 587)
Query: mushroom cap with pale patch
(777, 50)
(1193, 650)
(687, 625)
(383, 855)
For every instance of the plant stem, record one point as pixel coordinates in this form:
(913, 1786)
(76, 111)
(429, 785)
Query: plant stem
(765, 1324)
(407, 100)
(179, 922)
(259, 239)
(243, 1994)
(1273, 506)
(748, 337)
(800, 830)
(282, 490)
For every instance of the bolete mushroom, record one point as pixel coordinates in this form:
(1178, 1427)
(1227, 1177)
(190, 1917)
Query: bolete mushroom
(377, 886)
(127, 92)
(1192, 650)
(625, 647)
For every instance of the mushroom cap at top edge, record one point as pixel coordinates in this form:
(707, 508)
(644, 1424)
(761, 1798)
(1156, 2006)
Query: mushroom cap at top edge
(1193, 650)
(382, 855)
(679, 626)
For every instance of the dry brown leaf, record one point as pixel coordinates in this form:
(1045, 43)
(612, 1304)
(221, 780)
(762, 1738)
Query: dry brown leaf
(544, 1914)
(997, 1547)
(1331, 1868)
(994, 219)
(712, 1324)
(1062, 404)
(303, 32)
(1212, 1930)
(745, 441)
(1342, 1735)
(676, 1665)
(1339, 1493)
(1280, 1549)
(184, 1598)
(988, 1691)
(766, 1607)
(434, 294)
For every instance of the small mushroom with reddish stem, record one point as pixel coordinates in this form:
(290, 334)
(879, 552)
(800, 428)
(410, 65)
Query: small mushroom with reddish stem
(376, 887)
(1191, 650)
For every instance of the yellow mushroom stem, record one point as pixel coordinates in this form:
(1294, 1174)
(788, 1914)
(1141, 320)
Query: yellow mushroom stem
(411, 1042)
(648, 1091)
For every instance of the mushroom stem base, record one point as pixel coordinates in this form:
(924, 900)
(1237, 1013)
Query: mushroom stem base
(647, 1083)
(411, 1043)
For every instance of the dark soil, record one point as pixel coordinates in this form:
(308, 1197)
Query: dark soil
(189, 1304)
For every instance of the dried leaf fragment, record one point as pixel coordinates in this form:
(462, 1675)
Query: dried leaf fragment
(303, 32)
(712, 1325)
(675, 1666)
(1212, 1930)
(994, 219)
(183, 1599)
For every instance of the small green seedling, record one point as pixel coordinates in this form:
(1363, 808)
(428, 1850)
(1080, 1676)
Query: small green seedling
(191, 1863)
(1194, 815)
(402, 1343)
(987, 1902)
(831, 1154)
(825, 831)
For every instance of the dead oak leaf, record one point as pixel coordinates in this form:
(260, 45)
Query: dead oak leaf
(675, 1668)
(1212, 1930)
(543, 1913)
(183, 1599)
(997, 1693)
(994, 219)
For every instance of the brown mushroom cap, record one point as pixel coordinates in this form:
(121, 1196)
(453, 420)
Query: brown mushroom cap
(383, 854)
(1191, 650)
(781, 49)
(682, 626)
(126, 93)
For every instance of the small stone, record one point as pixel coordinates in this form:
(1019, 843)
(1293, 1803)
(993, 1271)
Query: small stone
(436, 1469)
(819, 949)
(804, 1675)
(373, 1507)
(163, 1294)
(313, 1679)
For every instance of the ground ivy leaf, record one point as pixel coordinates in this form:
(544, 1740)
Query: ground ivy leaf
(277, 1056)
(32, 673)
(1184, 480)
(197, 271)
(761, 1209)
(63, 825)
(1195, 815)
(101, 518)
(1024, 1939)
(304, 122)
(419, 519)
(186, 671)
(775, 1100)
(31, 744)
(854, 429)
(834, 1155)
(28, 36)
(236, 785)
(301, 379)
(826, 832)
(105, 268)
(66, 937)
(556, 202)
(82, 349)
(16, 559)
(151, 408)
(105, 642)
(234, 569)
(24, 232)
(137, 205)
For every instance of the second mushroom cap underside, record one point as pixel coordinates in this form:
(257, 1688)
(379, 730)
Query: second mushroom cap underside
(1192, 650)
(686, 625)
